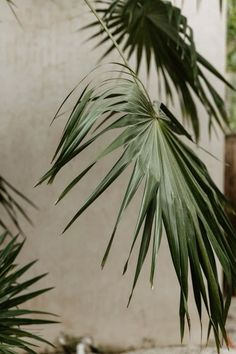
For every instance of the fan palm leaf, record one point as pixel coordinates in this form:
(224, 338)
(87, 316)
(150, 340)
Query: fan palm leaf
(14, 320)
(178, 193)
(158, 29)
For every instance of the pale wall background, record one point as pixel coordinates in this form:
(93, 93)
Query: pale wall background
(39, 63)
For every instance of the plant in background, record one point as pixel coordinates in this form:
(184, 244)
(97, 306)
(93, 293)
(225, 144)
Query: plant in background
(231, 36)
(15, 289)
(178, 193)
(11, 206)
(231, 61)
(231, 102)
(14, 293)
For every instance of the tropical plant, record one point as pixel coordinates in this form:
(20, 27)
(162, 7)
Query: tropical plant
(231, 36)
(178, 193)
(14, 292)
(157, 29)
(231, 60)
(11, 204)
(15, 319)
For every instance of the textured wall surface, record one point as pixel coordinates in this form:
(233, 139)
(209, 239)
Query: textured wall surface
(40, 61)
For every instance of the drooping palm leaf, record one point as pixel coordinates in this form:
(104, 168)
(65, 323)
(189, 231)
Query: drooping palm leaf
(157, 29)
(178, 192)
(14, 292)
(11, 203)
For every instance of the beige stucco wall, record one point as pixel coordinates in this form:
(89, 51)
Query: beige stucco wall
(39, 63)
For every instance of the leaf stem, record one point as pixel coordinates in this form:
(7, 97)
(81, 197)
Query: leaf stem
(126, 63)
(109, 34)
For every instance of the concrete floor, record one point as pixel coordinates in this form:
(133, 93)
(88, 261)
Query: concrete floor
(182, 350)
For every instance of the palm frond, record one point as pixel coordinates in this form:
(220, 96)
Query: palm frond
(11, 203)
(158, 29)
(178, 193)
(14, 320)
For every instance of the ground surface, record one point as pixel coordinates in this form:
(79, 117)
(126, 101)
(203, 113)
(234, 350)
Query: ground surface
(181, 350)
(178, 350)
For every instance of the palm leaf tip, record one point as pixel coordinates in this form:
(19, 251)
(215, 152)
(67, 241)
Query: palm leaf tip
(178, 193)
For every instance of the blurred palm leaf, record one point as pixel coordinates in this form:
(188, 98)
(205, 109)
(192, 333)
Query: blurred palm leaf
(11, 203)
(14, 320)
(12, 7)
(157, 29)
(178, 192)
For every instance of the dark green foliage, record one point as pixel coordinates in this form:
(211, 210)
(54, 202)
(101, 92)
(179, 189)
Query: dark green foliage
(157, 29)
(11, 200)
(178, 193)
(14, 292)
(231, 36)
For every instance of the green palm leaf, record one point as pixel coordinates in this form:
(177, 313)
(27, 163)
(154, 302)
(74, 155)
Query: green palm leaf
(178, 193)
(11, 203)
(157, 30)
(14, 292)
